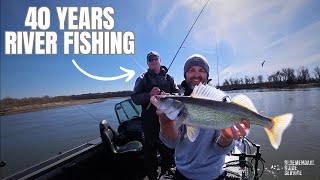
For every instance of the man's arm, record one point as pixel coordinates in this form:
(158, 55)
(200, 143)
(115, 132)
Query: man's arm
(139, 96)
(174, 87)
(167, 126)
(168, 132)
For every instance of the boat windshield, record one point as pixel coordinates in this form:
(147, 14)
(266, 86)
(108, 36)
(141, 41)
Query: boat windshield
(127, 110)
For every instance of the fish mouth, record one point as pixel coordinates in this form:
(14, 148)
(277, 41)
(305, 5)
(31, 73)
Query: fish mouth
(155, 100)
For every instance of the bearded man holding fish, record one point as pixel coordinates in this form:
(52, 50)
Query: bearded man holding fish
(202, 128)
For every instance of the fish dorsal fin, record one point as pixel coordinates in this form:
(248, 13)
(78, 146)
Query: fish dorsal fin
(244, 101)
(192, 133)
(207, 92)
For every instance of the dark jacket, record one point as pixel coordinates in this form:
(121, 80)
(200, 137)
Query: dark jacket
(185, 88)
(141, 96)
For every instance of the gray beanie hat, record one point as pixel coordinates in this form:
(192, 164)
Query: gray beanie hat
(198, 60)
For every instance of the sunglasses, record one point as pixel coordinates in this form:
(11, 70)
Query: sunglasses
(152, 58)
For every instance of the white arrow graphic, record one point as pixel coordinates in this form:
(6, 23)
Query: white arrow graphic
(130, 73)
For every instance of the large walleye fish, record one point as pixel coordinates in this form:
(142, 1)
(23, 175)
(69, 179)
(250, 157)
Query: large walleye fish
(204, 108)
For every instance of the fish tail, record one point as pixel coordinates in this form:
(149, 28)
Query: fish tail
(279, 124)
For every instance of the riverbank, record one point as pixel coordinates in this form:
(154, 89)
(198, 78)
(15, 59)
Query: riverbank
(38, 107)
(268, 86)
(94, 99)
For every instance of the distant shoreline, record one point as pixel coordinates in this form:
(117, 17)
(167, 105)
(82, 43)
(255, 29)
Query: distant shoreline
(13, 105)
(38, 107)
(70, 102)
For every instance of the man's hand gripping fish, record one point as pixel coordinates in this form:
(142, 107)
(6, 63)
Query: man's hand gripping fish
(204, 108)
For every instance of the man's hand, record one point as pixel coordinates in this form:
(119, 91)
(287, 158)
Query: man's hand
(164, 120)
(155, 91)
(235, 132)
(165, 93)
(167, 126)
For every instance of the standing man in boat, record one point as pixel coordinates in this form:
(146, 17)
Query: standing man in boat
(203, 158)
(153, 82)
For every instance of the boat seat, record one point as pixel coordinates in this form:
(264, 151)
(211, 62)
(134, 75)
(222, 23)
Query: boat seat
(109, 138)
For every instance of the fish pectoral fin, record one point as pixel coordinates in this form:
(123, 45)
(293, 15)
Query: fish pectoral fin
(280, 123)
(244, 101)
(192, 133)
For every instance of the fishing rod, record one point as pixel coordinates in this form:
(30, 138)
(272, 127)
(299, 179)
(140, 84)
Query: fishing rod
(188, 34)
(87, 113)
(184, 41)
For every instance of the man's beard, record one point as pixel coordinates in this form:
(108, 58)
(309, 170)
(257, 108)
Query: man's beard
(192, 83)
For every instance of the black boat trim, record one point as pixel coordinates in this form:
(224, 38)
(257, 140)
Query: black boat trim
(62, 161)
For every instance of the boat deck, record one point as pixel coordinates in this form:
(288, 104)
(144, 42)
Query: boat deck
(88, 161)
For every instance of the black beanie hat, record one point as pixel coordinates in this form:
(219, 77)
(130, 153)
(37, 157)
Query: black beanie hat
(153, 55)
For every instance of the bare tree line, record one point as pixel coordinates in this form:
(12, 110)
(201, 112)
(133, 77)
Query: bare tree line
(284, 76)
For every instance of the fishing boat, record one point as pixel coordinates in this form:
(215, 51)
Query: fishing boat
(118, 154)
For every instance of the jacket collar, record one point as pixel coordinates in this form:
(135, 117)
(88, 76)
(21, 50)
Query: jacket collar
(163, 70)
